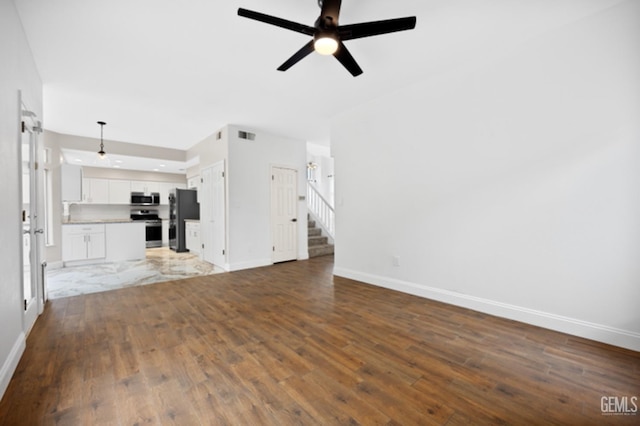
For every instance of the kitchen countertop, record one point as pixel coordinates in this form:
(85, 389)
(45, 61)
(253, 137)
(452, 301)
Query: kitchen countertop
(96, 221)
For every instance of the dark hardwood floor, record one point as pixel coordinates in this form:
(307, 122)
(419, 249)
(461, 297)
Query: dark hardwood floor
(291, 344)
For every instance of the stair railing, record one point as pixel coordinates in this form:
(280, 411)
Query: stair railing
(321, 210)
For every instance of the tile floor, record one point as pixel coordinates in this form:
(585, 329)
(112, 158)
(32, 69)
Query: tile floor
(161, 264)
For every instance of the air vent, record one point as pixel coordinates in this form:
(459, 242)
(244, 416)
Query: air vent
(246, 135)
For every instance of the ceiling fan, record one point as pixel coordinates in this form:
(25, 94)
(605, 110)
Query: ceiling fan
(328, 36)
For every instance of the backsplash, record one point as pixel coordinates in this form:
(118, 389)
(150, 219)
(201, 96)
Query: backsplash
(108, 211)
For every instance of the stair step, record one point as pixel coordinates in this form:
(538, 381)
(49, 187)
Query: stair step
(317, 240)
(314, 232)
(311, 223)
(322, 250)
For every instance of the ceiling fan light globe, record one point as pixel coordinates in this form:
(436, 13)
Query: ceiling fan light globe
(325, 45)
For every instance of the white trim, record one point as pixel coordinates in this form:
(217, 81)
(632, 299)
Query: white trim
(601, 333)
(55, 265)
(249, 264)
(11, 363)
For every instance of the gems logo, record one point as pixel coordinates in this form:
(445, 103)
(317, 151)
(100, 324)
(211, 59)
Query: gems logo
(619, 405)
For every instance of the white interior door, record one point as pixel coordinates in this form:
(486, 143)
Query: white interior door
(219, 222)
(32, 222)
(212, 214)
(284, 213)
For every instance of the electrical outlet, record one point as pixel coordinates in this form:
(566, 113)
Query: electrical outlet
(396, 260)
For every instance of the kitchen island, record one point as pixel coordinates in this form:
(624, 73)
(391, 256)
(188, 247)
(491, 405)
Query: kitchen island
(98, 241)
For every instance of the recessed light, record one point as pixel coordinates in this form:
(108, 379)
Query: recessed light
(156, 170)
(118, 161)
(162, 165)
(116, 167)
(77, 160)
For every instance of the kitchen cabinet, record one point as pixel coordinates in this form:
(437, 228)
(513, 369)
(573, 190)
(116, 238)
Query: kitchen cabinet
(166, 188)
(83, 242)
(165, 232)
(125, 241)
(192, 236)
(194, 183)
(95, 191)
(145, 186)
(119, 191)
(71, 182)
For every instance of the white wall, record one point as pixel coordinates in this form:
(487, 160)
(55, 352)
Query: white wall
(510, 187)
(249, 188)
(324, 173)
(247, 191)
(18, 72)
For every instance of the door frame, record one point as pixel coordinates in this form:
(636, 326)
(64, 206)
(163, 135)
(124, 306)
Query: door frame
(31, 127)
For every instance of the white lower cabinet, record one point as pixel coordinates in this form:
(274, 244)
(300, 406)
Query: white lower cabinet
(96, 243)
(192, 237)
(83, 242)
(125, 241)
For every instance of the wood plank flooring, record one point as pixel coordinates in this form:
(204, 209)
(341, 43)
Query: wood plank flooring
(291, 344)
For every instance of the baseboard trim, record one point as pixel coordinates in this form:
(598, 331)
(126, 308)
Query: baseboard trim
(55, 265)
(598, 332)
(11, 363)
(249, 265)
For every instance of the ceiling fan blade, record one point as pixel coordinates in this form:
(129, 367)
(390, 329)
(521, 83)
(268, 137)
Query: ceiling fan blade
(297, 57)
(331, 9)
(367, 29)
(345, 58)
(278, 22)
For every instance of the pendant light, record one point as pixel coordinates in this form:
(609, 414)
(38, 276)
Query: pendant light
(101, 153)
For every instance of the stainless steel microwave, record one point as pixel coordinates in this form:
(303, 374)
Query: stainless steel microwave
(142, 199)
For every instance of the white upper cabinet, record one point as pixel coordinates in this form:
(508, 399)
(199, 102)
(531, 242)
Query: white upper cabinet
(194, 183)
(166, 188)
(145, 186)
(71, 182)
(76, 188)
(119, 191)
(95, 191)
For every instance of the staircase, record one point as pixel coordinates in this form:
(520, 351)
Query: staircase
(318, 245)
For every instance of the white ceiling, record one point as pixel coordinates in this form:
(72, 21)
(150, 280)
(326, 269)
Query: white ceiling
(169, 73)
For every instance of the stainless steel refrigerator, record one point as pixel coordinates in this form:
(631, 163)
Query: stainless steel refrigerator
(183, 205)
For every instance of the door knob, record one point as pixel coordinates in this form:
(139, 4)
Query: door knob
(39, 231)
(294, 220)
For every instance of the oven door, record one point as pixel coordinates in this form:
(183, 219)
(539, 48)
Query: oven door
(153, 233)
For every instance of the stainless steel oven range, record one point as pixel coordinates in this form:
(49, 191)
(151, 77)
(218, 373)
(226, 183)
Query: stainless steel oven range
(153, 226)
